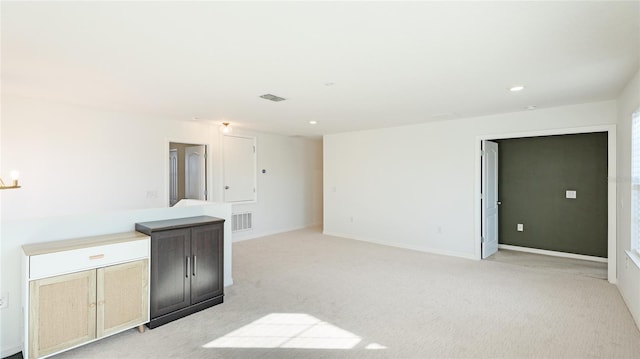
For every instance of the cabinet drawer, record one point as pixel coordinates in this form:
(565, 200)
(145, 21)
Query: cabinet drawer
(51, 264)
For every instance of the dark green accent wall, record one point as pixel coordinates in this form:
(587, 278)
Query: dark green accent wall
(533, 175)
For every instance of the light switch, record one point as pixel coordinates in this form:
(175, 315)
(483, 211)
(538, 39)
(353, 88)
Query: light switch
(571, 194)
(520, 227)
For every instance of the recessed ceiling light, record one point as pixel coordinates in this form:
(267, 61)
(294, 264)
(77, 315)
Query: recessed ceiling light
(516, 88)
(313, 122)
(532, 107)
(330, 83)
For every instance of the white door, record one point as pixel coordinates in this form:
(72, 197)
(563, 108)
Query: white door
(239, 167)
(173, 177)
(194, 173)
(489, 198)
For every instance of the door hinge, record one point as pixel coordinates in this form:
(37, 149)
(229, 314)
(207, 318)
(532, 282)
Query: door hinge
(481, 239)
(254, 149)
(481, 195)
(481, 153)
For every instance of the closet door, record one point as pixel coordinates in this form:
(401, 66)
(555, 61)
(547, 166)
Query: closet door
(122, 296)
(62, 312)
(239, 168)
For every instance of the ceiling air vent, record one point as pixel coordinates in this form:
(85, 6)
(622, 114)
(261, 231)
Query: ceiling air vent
(273, 98)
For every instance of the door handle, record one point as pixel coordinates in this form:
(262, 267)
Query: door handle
(187, 271)
(226, 187)
(499, 202)
(195, 264)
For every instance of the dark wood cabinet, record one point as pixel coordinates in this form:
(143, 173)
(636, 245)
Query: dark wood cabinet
(186, 266)
(169, 281)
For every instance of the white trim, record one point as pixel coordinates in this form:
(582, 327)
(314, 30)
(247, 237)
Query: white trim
(612, 247)
(553, 253)
(634, 188)
(9, 351)
(611, 193)
(403, 246)
(208, 170)
(634, 258)
(256, 235)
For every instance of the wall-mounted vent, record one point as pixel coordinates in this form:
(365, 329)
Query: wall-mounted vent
(272, 97)
(241, 221)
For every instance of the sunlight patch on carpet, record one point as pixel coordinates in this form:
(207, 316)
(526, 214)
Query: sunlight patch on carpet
(291, 331)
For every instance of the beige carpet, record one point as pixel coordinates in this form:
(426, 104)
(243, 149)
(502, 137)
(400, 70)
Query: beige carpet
(305, 295)
(546, 263)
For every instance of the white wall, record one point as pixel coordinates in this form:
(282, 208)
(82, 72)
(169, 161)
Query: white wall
(86, 171)
(77, 160)
(628, 271)
(290, 191)
(414, 186)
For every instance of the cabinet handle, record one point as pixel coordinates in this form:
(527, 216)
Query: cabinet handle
(195, 264)
(187, 271)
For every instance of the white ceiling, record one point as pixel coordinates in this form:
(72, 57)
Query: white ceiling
(392, 63)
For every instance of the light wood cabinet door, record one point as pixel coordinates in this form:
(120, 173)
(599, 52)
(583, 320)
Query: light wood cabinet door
(122, 296)
(62, 312)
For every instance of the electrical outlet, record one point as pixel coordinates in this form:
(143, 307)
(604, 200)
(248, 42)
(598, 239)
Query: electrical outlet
(4, 300)
(520, 227)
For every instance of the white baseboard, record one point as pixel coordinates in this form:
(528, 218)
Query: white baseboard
(10, 351)
(403, 246)
(253, 235)
(552, 253)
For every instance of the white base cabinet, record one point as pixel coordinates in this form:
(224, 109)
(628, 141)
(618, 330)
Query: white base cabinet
(80, 290)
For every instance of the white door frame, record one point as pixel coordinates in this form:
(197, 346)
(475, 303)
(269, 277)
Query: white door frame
(173, 177)
(490, 200)
(208, 166)
(611, 192)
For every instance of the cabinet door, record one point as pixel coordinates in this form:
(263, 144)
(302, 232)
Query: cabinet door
(206, 275)
(170, 259)
(123, 297)
(62, 312)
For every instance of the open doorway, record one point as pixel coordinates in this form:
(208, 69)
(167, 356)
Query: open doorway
(562, 199)
(187, 172)
(553, 194)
